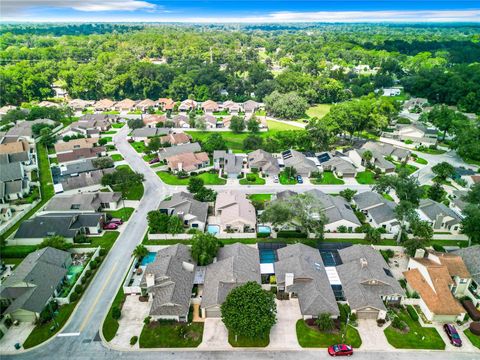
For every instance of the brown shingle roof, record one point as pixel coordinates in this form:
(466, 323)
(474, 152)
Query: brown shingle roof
(454, 264)
(77, 154)
(75, 144)
(188, 161)
(14, 147)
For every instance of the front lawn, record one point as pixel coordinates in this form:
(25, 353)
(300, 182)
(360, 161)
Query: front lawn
(365, 177)
(318, 111)
(280, 126)
(312, 337)
(328, 178)
(116, 157)
(387, 196)
(208, 178)
(170, 334)
(285, 180)
(474, 339)
(110, 132)
(257, 180)
(105, 241)
(107, 138)
(417, 337)
(410, 168)
(421, 161)
(135, 192)
(123, 213)
(110, 325)
(260, 197)
(241, 341)
(139, 146)
(118, 125)
(149, 157)
(427, 150)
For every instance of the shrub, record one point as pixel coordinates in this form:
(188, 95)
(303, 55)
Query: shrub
(475, 328)
(133, 340)
(88, 273)
(408, 142)
(102, 252)
(291, 234)
(438, 248)
(73, 297)
(324, 322)
(147, 320)
(342, 229)
(78, 289)
(251, 177)
(83, 280)
(413, 314)
(471, 310)
(380, 322)
(8, 322)
(398, 324)
(93, 264)
(353, 317)
(116, 312)
(273, 289)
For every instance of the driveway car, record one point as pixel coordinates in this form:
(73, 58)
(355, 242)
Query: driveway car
(452, 335)
(299, 179)
(340, 350)
(153, 161)
(110, 226)
(115, 221)
(275, 178)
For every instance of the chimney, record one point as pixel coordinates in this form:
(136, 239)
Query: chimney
(419, 253)
(289, 277)
(363, 262)
(150, 280)
(187, 266)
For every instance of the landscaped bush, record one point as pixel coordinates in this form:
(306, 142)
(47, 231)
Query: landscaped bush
(147, 320)
(475, 328)
(273, 289)
(411, 311)
(116, 312)
(251, 177)
(83, 280)
(439, 248)
(8, 322)
(133, 340)
(102, 252)
(93, 264)
(74, 297)
(380, 322)
(471, 310)
(263, 235)
(291, 234)
(88, 273)
(399, 324)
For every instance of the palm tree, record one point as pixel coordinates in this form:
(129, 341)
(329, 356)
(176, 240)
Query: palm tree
(367, 157)
(140, 251)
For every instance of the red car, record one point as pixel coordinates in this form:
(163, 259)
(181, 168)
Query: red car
(153, 161)
(340, 350)
(115, 221)
(110, 226)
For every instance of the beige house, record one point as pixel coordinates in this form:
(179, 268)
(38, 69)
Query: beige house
(188, 161)
(65, 147)
(104, 104)
(235, 212)
(125, 105)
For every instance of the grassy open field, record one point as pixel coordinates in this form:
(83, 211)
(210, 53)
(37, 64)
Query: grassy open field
(281, 126)
(318, 111)
(209, 179)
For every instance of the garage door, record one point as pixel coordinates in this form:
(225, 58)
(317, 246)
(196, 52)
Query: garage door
(215, 313)
(367, 314)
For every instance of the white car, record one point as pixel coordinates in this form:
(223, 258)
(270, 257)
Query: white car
(275, 178)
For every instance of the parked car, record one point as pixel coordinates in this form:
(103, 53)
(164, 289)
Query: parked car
(452, 335)
(299, 179)
(275, 178)
(153, 161)
(340, 350)
(115, 221)
(110, 226)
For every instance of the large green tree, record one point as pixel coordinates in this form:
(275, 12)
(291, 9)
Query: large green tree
(204, 248)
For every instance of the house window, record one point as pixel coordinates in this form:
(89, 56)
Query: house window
(105, 205)
(194, 225)
(75, 207)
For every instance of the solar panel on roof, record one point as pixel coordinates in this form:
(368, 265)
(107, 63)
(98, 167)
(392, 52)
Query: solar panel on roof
(323, 157)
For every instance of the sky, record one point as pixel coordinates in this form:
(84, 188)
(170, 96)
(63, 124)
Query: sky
(235, 11)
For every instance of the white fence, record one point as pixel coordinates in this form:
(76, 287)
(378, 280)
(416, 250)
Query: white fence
(18, 215)
(189, 236)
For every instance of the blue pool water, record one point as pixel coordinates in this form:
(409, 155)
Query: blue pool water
(262, 229)
(267, 256)
(149, 258)
(213, 229)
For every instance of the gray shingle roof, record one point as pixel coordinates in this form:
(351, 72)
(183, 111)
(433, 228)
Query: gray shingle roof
(432, 209)
(236, 265)
(183, 203)
(233, 164)
(263, 160)
(471, 258)
(179, 149)
(11, 171)
(147, 132)
(81, 202)
(379, 208)
(311, 283)
(300, 162)
(336, 208)
(85, 179)
(341, 165)
(364, 280)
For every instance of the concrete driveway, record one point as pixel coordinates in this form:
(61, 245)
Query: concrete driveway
(16, 334)
(372, 336)
(283, 334)
(215, 335)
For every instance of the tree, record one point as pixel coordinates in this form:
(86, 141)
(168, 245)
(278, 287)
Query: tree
(287, 106)
(237, 124)
(422, 230)
(348, 194)
(204, 248)
(367, 157)
(473, 196)
(135, 124)
(320, 135)
(373, 235)
(249, 311)
(471, 223)
(253, 125)
(37, 128)
(175, 225)
(47, 137)
(154, 144)
(325, 322)
(123, 179)
(252, 142)
(200, 124)
(443, 170)
(290, 171)
(55, 241)
(214, 142)
(103, 162)
(205, 195)
(116, 313)
(157, 222)
(140, 251)
(436, 192)
(195, 184)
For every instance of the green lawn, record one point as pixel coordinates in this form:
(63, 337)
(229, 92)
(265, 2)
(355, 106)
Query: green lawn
(258, 181)
(107, 138)
(135, 192)
(328, 178)
(260, 113)
(241, 341)
(123, 213)
(139, 146)
(110, 132)
(110, 325)
(17, 251)
(311, 337)
(260, 197)
(411, 168)
(285, 180)
(417, 337)
(12, 261)
(431, 151)
(280, 126)
(471, 161)
(208, 178)
(365, 177)
(318, 111)
(421, 161)
(116, 157)
(474, 339)
(149, 157)
(388, 197)
(118, 125)
(111, 112)
(171, 334)
(105, 241)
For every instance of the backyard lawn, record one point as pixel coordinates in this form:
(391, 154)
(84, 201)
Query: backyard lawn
(118, 125)
(105, 241)
(328, 178)
(139, 146)
(318, 111)
(311, 337)
(280, 126)
(260, 197)
(474, 339)
(241, 341)
(285, 180)
(116, 157)
(417, 337)
(123, 213)
(208, 178)
(171, 334)
(365, 177)
(257, 181)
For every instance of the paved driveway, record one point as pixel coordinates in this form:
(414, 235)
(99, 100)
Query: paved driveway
(283, 334)
(215, 335)
(372, 336)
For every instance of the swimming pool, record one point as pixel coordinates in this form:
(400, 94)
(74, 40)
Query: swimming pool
(149, 258)
(72, 273)
(213, 229)
(267, 256)
(262, 229)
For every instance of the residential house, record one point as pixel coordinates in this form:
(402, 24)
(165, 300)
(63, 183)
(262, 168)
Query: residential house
(88, 180)
(416, 132)
(152, 120)
(23, 129)
(125, 105)
(385, 149)
(145, 133)
(33, 283)
(340, 166)
(303, 165)
(16, 151)
(75, 168)
(472, 180)
(187, 105)
(440, 216)
(81, 154)
(367, 282)
(14, 183)
(89, 125)
(250, 107)
(235, 265)
(457, 203)
(437, 278)
(379, 211)
(83, 203)
(181, 121)
(228, 163)
(104, 105)
(176, 139)
(414, 103)
(209, 106)
(145, 105)
(167, 152)
(166, 104)
(391, 91)
(75, 144)
(79, 104)
(188, 161)
(5, 214)
(48, 104)
(34, 230)
(210, 121)
(232, 107)
(234, 212)
(192, 212)
(168, 281)
(5, 109)
(300, 272)
(471, 259)
(264, 162)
